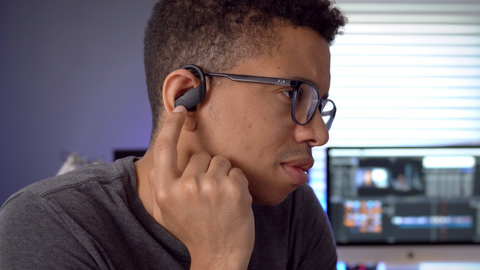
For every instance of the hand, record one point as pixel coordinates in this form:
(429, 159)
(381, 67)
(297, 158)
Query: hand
(207, 207)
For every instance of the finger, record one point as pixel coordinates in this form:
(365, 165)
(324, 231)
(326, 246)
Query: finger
(242, 186)
(198, 164)
(165, 154)
(219, 166)
(238, 174)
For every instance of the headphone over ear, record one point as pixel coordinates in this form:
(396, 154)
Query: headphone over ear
(194, 96)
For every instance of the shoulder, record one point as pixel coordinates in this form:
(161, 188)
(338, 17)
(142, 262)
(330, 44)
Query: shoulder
(87, 192)
(102, 174)
(79, 182)
(57, 217)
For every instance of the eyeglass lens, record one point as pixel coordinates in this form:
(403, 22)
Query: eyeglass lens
(306, 105)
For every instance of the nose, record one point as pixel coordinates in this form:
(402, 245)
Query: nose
(315, 133)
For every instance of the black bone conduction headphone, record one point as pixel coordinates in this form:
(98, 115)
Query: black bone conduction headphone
(194, 96)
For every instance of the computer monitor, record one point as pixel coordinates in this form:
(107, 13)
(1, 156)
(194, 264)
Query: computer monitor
(400, 205)
(122, 153)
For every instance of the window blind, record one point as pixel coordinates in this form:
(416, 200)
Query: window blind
(405, 73)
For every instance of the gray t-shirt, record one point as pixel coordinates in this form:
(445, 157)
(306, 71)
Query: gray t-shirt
(92, 218)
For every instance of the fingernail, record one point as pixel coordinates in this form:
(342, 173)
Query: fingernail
(179, 109)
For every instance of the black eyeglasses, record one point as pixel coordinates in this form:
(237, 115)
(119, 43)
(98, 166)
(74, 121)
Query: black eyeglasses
(304, 95)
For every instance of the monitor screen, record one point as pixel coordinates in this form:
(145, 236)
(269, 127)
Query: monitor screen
(404, 196)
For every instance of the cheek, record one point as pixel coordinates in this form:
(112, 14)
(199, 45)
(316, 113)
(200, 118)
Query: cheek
(246, 125)
(264, 133)
(227, 121)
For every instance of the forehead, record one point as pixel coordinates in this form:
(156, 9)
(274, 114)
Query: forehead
(297, 53)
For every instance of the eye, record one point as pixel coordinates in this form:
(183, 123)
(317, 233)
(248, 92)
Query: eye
(289, 94)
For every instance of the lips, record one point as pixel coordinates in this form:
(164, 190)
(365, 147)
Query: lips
(297, 168)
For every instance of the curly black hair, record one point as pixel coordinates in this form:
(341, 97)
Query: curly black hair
(215, 34)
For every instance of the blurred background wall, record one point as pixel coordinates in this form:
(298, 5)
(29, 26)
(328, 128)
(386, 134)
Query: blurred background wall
(71, 79)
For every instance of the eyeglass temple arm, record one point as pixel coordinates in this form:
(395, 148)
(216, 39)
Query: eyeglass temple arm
(253, 79)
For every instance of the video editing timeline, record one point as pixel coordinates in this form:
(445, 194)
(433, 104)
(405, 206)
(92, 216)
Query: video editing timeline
(404, 195)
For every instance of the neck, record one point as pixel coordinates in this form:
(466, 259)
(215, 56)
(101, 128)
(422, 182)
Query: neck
(143, 167)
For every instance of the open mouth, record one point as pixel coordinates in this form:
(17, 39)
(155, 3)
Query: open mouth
(298, 175)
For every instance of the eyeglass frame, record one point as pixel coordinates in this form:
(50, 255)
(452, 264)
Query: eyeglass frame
(294, 84)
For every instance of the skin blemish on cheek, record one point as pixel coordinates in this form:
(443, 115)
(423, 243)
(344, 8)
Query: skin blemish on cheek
(246, 146)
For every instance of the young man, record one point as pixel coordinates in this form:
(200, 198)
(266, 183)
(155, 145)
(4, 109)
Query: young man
(188, 202)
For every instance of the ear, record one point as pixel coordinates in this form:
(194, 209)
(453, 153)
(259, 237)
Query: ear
(177, 83)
